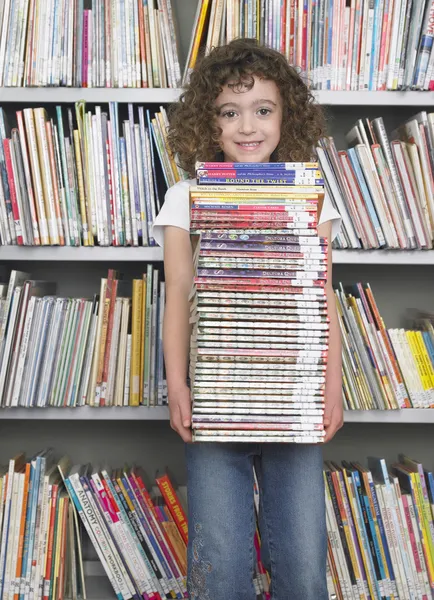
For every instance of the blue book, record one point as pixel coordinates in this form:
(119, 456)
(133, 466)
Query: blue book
(366, 195)
(363, 522)
(146, 176)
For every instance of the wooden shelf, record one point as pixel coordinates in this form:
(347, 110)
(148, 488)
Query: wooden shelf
(164, 96)
(161, 413)
(140, 254)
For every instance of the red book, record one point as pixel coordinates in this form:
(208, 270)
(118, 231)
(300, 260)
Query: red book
(173, 505)
(11, 181)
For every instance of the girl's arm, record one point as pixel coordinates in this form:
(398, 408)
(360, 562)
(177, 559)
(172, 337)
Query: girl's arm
(333, 414)
(178, 268)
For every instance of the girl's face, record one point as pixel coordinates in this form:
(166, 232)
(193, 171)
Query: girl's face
(250, 120)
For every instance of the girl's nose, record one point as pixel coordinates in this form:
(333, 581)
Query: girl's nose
(247, 126)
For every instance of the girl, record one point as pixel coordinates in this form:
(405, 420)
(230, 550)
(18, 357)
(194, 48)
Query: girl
(244, 103)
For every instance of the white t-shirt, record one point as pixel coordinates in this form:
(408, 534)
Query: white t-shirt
(176, 211)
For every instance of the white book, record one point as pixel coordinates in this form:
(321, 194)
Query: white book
(10, 335)
(117, 533)
(11, 558)
(87, 361)
(127, 371)
(122, 353)
(335, 194)
(377, 195)
(114, 352)
(80, 355)
(77, 499)
(393, 42)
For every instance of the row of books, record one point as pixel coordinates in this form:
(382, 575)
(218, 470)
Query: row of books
(92, 181)
(383, 189)
(95, 345)
(68, 352)
(89, 183)
(380, 529)
(133, 43)
(259, 342)
(383, 368)
(354, 45)
(47, 505)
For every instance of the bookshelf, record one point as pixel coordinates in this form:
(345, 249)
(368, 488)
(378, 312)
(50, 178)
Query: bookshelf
(163, 96)
(86, 413)
(400, 279)
(141, 254)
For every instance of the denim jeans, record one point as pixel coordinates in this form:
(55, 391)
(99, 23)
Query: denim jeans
(222, 520)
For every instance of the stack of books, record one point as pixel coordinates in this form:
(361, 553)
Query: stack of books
(258, 304)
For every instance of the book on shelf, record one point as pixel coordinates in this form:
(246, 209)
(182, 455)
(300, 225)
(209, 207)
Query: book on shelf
(383, 368)
(354, 45)
(253, 376)
(383, 188)
(379, 520)
(47, 509)
(83, 177)
(109, 44)
(70, 352)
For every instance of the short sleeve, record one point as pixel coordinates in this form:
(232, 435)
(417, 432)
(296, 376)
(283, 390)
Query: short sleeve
(175, 210)
(329, 213)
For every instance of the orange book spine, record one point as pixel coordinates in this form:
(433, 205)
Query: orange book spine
(174, 506)
(50, 544)
(144, 71)
(109, 341)
(385, 337)
(62, 568)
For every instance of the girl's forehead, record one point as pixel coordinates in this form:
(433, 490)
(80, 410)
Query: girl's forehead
(237, 92)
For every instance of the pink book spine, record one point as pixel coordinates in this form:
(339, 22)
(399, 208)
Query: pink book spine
(12, 189)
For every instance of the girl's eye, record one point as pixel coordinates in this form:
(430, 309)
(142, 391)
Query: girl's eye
(230, 114)
(264, 112)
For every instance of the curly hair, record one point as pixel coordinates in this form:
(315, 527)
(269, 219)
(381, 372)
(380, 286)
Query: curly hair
(193, 132)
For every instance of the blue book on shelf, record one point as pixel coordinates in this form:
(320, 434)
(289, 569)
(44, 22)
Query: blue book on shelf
(366, 196)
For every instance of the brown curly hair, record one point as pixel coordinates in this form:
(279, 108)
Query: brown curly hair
(193, 131)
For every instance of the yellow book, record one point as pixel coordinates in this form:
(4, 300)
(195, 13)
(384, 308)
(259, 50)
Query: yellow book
(425, 359)
(198, 34)
(417, 358)
(136, 353)
(142, 337)
(81, 194)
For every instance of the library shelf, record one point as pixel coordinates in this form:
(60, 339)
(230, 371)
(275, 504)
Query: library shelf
(81, 253)
(161, 413)
(167, 95)
(405, 416)
(88, 413)
(155, 254)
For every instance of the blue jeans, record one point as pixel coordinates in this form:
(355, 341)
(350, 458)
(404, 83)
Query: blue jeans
(221, 517)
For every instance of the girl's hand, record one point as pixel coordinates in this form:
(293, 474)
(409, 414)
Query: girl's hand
(180, 412)
(333, 416)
